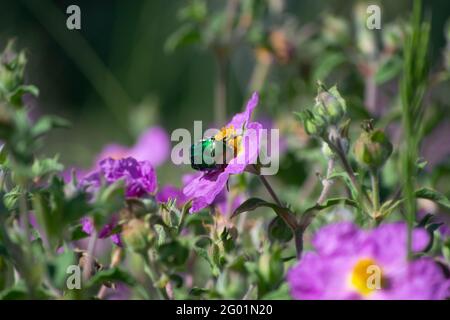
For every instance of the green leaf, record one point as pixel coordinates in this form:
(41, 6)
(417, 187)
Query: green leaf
(250, 205)
(78, 233)
(279, 230)
(43, 167)
(254, 203)
(18, 292)
(388, 207)
(47, 123)
(309, 213)
(16, 96)
(111, 275)
(388, 70)
(433, 195)
(184, 36)
(201, 250)
(345, 177)
(58, 268)
(332, 202)
(282, 293)
(326, 65)
(3, 155)
(173, 253)
(195, 291)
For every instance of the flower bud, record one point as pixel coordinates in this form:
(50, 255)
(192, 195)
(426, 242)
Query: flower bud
(330, 105)
(372, 149)
(314, 124)
(136, 235)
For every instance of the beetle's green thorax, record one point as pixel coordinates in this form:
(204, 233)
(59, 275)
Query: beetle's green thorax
(209, 154)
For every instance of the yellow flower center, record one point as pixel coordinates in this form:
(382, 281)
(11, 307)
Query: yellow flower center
(230, 137)
(366, 276)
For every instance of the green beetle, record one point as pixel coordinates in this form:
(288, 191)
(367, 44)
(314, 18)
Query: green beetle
(210, 154)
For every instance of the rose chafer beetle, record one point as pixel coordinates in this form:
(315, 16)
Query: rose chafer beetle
(209, 154)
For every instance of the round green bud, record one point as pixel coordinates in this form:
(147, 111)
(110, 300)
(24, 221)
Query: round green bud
(314, 124)
(372, 149)
(330, 105)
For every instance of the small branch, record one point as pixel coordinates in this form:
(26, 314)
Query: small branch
(298, 238)
(375, 191)
(287, 217)
(24, 217)
(270, 190)
(115, 260)
(327, 182)
(90, 256)
(337, 148)
(249, 292)
(148, 268)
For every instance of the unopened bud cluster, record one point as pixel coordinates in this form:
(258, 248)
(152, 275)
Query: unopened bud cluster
(372, 148)
(329, 110)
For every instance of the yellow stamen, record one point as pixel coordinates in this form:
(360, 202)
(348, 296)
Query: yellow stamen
(232, 139)
(366, 276)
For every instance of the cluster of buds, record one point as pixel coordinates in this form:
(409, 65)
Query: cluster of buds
(372, 148)
(328, 111)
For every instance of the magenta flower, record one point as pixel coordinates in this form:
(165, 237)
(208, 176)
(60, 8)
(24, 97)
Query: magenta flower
(153, 145)
(348, 261)
(204, 189)
(139, 176)
(221, 202)
(87, 226)
(140, 179)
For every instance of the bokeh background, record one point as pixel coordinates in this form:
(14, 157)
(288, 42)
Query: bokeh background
(114, 78)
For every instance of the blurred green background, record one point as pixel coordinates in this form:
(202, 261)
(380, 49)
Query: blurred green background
(113, 78)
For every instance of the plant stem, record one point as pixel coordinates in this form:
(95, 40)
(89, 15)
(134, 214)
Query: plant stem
(298, 238)
(148, 268)
(247, 295)
(90, 256)
(348, 168)
(327, 182)
(374, 178)
(116, 258)
(28, 252)
(24, 218)
(288, 218)
(270, 190)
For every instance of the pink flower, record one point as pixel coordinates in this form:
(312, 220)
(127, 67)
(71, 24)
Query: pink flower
(139, 176)
(350, 263)
(153, 145)
(204, 189)
(140, 180)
